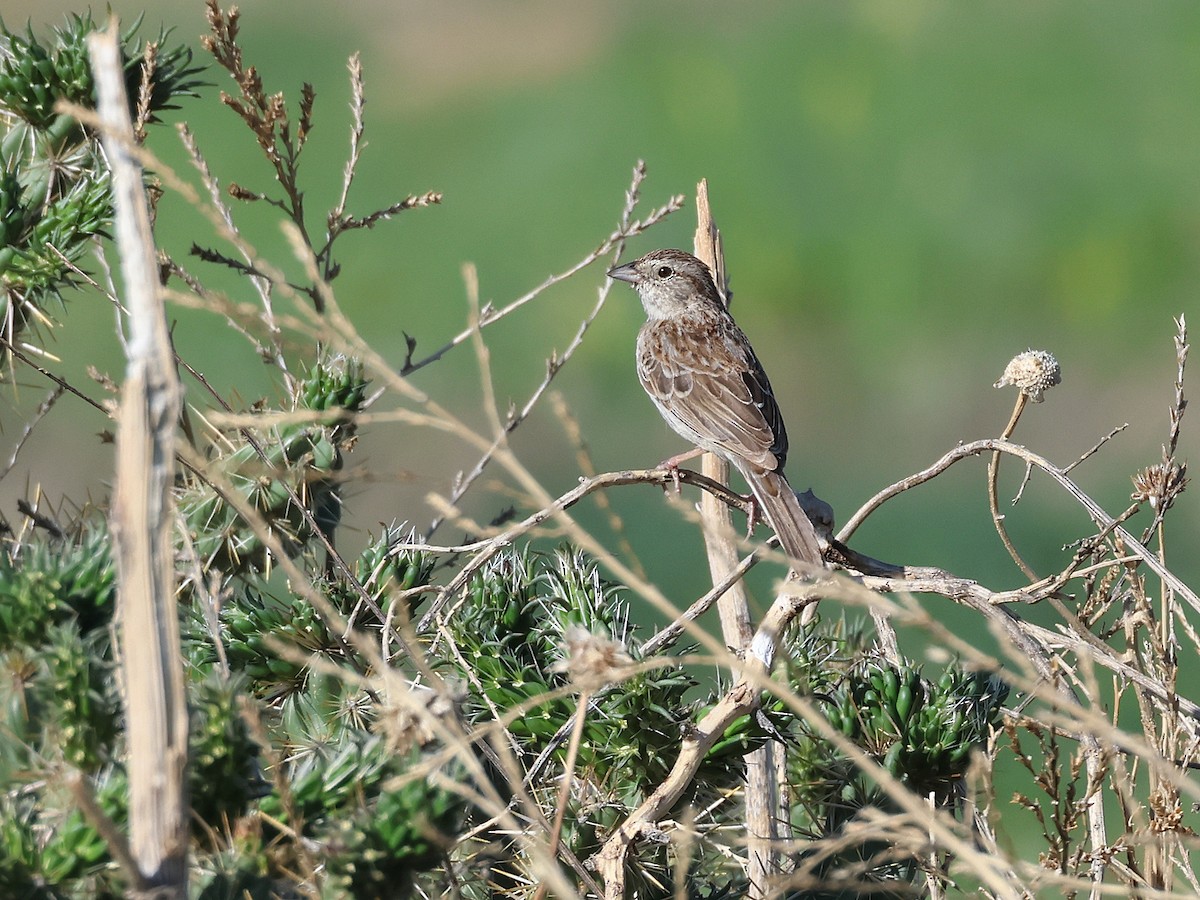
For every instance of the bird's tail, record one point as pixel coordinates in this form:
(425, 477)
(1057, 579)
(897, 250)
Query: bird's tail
(778, 501)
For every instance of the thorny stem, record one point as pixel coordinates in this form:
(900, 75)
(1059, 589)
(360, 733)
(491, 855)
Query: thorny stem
(40, 413)
(12, 348)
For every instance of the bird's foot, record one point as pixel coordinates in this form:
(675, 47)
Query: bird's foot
(672, 465)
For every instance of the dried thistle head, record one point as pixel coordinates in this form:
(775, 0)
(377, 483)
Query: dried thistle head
(1033, 373)
(591, 660)
(406, 720)
(1160, 484)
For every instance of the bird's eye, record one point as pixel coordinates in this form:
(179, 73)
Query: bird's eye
(665, 271)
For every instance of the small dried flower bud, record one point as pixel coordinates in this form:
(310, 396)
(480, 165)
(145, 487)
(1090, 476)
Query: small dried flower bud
(1033, 372)
(240, 193)
(1160, 484)
(591, 660)
(408, 721)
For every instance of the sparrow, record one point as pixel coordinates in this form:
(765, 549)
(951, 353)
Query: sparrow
(698, 367)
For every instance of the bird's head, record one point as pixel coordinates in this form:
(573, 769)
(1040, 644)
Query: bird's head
(668, 281)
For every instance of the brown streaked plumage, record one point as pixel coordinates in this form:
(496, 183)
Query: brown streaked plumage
(704, 377)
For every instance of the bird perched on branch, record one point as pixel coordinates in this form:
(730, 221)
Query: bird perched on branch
(704, 377)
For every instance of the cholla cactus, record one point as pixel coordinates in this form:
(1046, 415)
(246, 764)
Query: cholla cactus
(512, 630)
(298, 459)
(45, 847)
(377, 815)
(35, 76)
(256, 624)
(54, 191)
(377, 849)
(60, 708)
(921, 731)
(384, 569)
(79, 692)
(46, 581)
(56, 603)
(223, 766)
(258, 621)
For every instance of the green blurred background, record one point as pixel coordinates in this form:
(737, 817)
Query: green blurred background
(910, 194)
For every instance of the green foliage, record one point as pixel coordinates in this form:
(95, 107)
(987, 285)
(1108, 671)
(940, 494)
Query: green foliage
(512, 634)
(337, 384)
(386, 567)
(287, 473)
(48, 850)
(57, 600)
(38, 225)
(252, 630)
(54, 185)
(79, 688)
(262, 620)
(921, 731)
(47, 581)
(223, 767)
(34, 76)
(241, 871)
(408, 827)
(378, 814)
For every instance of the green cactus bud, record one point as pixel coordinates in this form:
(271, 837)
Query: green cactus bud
(49, 581)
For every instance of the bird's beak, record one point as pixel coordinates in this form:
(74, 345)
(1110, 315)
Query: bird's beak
(625, 273)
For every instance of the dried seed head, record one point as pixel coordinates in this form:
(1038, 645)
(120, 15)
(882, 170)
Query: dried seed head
(1033, 372)
(1160, 484)
(408, 721)
(591, 660)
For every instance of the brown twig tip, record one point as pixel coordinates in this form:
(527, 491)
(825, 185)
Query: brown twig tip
(240, 193)
(1160, 484)
(1033, 372)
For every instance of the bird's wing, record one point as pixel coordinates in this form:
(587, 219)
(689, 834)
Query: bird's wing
(708, 381)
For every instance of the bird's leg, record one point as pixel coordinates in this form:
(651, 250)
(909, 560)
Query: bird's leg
(672, 464)
(752, 514)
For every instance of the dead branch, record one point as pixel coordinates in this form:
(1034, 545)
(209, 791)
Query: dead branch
(143, 517)
(1094, 511)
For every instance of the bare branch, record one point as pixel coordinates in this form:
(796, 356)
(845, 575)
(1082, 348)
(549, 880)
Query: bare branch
(612, 242)
(1094, 511)
(143, 515)
(553, 366)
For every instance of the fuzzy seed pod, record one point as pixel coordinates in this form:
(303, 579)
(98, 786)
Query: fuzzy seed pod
(1033, 372)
